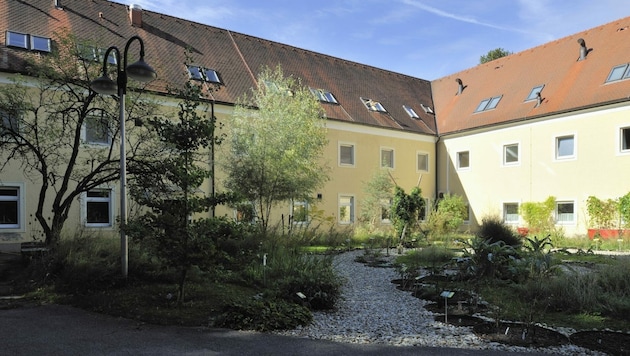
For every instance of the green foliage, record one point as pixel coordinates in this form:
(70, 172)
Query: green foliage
(602, 213)
(263, 315)
(377, 202)
(494, 229)
(170, 186)
(406, 209)
(624, 209)
(485, 259)
(448, 217)
(276, 149)
(539, 215)
(494, 54)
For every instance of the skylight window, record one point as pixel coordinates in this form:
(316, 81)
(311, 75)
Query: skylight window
(373, 105)
(619, 72)
(411, 112)
(324, 96)
(204, 74)
(534, 93)
(26, 41)
(488, 104)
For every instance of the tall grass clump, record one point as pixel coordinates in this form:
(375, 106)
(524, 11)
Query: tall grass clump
(494, 229)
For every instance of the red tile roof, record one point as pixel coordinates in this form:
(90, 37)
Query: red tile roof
(237, 57)
(569, 84)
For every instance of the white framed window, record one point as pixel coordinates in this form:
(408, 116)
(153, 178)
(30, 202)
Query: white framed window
(324, 96)
(39, 43)
(346, 209)
(422, 162)
(510, 213)
(534, 93)
(387, 158)
(624, 139)
(488, 104)
(299, 212)
(463, 160)
(97, 208)
(565, 212)
(11, 207)
(511, 154)
(411, 112)
(346, 154)
(373, 105)
(96, 130)
(26, 41)
(565, 147)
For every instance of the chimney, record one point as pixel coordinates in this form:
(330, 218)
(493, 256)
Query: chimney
(460, 86)
(135, 15)
(583, 49)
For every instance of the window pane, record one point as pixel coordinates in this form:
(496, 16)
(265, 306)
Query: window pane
(40, 43)
(346, 154)
(300, 212)
(617, 73)
(98, 212)
(96, 130)
(510, 154)
(463, 159)
(212, 76)
(565, 146)
(625, 139)
(423, 162)
(533, 94)
(565, 212)
(15, 39)
(493, 103)
(482, 105)
(387, 158)
(8, 122)
(330, 98)
(510, 212)
(411, 112)
(195, 72)
(346, 209)
(9, 207)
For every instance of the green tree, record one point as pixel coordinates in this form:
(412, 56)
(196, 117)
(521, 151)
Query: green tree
(448, 215)
(494, 54)
(47, 114)
(378, 199)
(171, 187)
(406, 209)
(277, 147)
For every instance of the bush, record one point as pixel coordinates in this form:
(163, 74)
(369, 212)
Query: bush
(263, 315)
(484, 258)
(494, 229)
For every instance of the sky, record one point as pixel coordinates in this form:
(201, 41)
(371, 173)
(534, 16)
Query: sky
(426, 39)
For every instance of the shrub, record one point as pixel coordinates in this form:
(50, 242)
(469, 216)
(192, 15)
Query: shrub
(483, 258)
(538, 215)
(263, 315)
(494, 229)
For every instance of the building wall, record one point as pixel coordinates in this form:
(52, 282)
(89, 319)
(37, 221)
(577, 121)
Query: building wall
(598, 167)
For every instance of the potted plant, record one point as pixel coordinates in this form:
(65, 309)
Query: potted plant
(538, 216)
(603, 216)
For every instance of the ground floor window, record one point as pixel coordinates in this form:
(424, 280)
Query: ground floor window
(98, 208)
(346, 209)
(510, 213)
(9, 207)
(565, 212)
(299, 212)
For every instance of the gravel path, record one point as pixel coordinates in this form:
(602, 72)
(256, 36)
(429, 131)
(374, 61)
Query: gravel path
(374, 311)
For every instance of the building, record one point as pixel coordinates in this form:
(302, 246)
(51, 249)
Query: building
(551, 120)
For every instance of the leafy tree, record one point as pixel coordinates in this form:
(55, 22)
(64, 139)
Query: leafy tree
(494, 54)
(378, 198)
(171, 188)
(276, 150)
(43, 134)
(406, 209)
(448, 216)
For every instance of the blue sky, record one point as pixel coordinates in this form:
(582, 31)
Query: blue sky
(426, 39)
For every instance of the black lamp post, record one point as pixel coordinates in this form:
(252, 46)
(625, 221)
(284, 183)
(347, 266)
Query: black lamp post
(139, 71)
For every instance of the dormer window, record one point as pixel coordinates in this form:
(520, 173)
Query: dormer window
(204, 74)
(619, 72)
(373, 105)
(412, 114)
(324, 96)
(488, 104)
